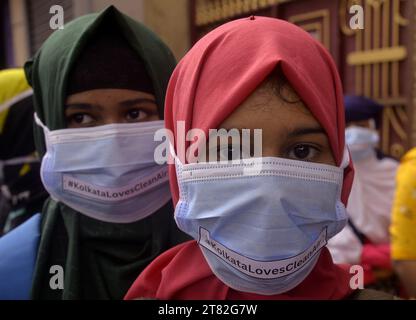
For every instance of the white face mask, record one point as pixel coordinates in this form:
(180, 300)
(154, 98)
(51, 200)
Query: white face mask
(108, 172)
(261, 230)
(361, 141)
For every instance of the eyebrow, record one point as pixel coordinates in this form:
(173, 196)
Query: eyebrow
(125, 103)
(82, 106)
(132, 102)
(304, 131)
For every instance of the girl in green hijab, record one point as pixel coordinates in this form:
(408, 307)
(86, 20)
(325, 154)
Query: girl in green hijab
(99, 87)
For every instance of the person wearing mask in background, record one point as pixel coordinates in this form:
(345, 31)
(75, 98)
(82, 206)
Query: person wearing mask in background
(260, 224)
(365, 240)
(22, 193)
(99, 87)
(403, 224)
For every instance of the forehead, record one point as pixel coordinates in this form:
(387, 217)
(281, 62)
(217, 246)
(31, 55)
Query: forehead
(268, 108)
(104, 95)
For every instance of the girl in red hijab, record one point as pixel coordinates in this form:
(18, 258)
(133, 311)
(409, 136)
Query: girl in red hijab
(260, 225)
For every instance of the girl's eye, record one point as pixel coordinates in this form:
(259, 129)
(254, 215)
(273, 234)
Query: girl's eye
(303, 152)
(228, 153)
(136, 115)
(81, 119)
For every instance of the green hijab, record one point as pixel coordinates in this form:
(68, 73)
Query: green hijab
(100, 259)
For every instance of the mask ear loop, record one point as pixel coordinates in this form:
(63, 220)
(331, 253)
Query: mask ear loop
(344, 164)
(46, 130)
(40, 123)
(345, 158)
(176, 161)
(178, 168)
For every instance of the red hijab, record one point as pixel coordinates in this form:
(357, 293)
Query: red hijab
(210, 82)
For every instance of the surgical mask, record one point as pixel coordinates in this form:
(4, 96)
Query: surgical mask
(261, 223)
(108, 172)
(361, 142)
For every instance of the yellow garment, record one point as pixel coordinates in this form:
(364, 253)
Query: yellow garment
(403, 225)
(12, 82)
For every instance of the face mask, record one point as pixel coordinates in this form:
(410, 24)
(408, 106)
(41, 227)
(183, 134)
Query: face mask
(361, 142)
(261, 231)
(108, 172)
